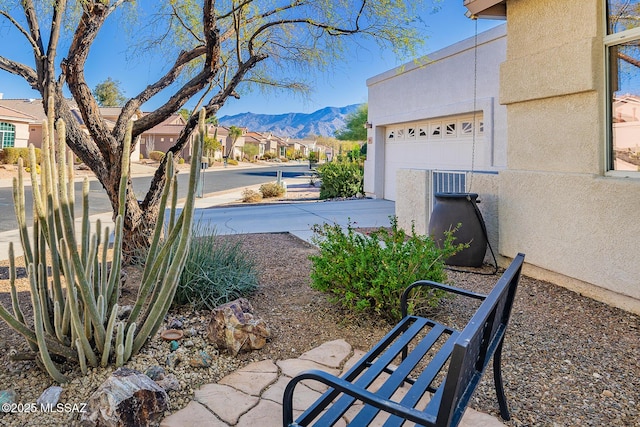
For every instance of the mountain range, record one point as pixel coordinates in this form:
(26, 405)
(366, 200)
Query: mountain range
(322, 122)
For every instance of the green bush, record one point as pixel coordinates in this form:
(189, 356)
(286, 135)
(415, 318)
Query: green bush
(272, 189)
(216, 271)
(231, 161)
(369, 273)
(156, 156)
(341, 179)
(10, 155)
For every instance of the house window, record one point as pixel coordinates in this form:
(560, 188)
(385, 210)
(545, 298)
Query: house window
(466, 128)
(411, 132)
(623, 55)
(7, 134)
(450, 129)
(391, 134)
(435, 130)
(423, 131)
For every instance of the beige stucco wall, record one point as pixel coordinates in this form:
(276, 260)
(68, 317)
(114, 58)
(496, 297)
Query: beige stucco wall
(577, 226)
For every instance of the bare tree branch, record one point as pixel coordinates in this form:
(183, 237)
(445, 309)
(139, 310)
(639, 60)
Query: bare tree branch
(24, 32)
(24, 71)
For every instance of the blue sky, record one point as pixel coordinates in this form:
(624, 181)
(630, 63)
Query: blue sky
(343, 85)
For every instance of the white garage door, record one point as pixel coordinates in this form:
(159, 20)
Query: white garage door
(444, 143)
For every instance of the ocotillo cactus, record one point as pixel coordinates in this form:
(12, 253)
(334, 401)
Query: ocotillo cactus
(77, 316)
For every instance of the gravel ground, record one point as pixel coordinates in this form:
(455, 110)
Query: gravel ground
(567, 360)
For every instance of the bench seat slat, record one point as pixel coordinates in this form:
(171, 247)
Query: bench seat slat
(370, 366)
(423, 382)
(405, 368)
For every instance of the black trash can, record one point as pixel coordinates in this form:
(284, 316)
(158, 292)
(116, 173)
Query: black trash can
(452, 209)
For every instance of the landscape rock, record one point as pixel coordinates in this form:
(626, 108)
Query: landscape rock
(235, 328)
(8, 396)
(50, 397)
(126, 398)
(169, 383)
(202, 360)
(155, 373)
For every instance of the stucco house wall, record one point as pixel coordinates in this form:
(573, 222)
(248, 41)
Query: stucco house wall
(549, 191)
(577, 223)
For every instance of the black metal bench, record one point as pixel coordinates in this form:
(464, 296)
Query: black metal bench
(412, 340)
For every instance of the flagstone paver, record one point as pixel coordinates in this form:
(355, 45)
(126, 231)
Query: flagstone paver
(252, 396)
(194, 414)
(253, 378)
(332, 353)
(225, 401)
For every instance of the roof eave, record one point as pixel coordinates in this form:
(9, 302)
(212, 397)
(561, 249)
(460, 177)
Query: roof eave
(486, 9)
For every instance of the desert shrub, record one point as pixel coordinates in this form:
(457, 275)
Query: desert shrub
(233, 162)
(156, 156)
(181, 161)
(28, 169)
(251, 196)
(272, 189)
(268, 155)
(369, 273)
(216, 271)
(141, 156)
(10, 155)
(341, 179)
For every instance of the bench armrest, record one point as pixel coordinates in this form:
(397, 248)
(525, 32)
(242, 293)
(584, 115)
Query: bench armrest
(354, 391)
(436, 285)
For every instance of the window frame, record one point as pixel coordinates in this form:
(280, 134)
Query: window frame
(10, 129)
(609, 41)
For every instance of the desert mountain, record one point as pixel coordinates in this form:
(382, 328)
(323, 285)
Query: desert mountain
(295, 125)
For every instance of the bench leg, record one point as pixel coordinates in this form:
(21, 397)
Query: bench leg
(497, 378)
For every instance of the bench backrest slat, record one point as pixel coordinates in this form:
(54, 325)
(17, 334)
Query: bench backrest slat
(476, 344)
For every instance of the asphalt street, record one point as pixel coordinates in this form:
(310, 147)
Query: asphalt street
(215, 180)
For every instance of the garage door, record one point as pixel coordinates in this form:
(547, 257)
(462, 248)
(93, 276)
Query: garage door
(446, 143)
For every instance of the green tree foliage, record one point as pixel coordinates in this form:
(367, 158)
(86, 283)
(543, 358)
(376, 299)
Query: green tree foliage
(235, 133)
(250, 151)
(185, 113)
(354, 129)
(206, 52)
(109, 94)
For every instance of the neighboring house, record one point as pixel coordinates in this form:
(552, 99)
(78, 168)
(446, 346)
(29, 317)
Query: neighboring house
(566, 197)
(626, 132)
(164, 136)
(27, 116)
(14, 128)
(231, 149)
(220, 133)
(257, 140)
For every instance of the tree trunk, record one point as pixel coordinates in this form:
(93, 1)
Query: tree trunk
(138, 229)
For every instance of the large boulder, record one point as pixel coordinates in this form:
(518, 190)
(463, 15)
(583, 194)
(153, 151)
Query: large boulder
(235, 328)
(126, 398)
